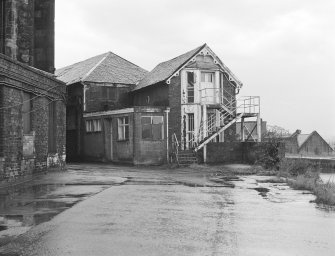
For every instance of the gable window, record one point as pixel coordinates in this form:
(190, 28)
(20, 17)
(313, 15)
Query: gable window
(93, 125)
(207, 77)
(152, 127)
(26, 112)
(190, 87)
(123, 128)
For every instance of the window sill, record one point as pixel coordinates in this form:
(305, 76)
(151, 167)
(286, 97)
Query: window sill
(152, 140)
(126, 140)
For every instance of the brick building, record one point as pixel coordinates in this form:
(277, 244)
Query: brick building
(189, 100)
(307, 144)
(27, 32)
(200, 91)
(32, 108)
(102, 123)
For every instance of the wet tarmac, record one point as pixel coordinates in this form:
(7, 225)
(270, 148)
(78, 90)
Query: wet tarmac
(107, 210)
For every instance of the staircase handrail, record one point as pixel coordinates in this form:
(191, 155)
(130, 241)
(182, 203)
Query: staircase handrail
(242, 105)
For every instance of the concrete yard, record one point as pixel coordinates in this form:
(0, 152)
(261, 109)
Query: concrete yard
(100, 209)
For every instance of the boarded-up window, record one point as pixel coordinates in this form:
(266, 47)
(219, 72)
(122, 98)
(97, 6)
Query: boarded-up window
(26, 112)
(52, 127)
(152, 127)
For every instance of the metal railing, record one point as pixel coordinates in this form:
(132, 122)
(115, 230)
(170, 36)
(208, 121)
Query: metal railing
(175, 147)
(215, 96)
(243, 105)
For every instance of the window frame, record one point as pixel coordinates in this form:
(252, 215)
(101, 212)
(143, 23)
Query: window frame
(190, 87)
(93, 125)
(123, 124)
(151, 138)
(205, 76)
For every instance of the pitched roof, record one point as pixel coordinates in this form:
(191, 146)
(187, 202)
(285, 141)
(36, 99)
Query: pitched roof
(306, 137)
(301, 138)
(165, 69)
(107, 67)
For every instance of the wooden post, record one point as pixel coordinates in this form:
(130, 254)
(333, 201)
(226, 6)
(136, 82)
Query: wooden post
(205, 154)
(259, 128)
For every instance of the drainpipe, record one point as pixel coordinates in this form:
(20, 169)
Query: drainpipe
(167, 133)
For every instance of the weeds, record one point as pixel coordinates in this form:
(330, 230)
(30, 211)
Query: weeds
(305, 176)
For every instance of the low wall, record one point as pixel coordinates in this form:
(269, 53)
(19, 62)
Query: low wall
(325, 165)
(240, 152)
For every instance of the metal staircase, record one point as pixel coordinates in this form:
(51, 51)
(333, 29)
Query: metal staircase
(229, 113)
(228, 110)
(181, 157)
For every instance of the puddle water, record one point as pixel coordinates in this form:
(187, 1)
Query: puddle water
(31, 205)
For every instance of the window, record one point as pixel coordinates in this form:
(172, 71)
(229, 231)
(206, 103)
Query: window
(123, 128)
(190, 87)
(207, 77)
(93, 125)
(26, 112)
(152, 128)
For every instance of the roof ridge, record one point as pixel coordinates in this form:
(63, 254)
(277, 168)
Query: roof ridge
(110, 52)
(74, 64)
(92, 69)
(199, 47)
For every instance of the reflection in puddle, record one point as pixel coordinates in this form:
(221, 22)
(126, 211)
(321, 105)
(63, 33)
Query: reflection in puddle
(32, 205)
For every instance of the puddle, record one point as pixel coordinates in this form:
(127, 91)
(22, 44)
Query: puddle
(262, 191)
(27, 206)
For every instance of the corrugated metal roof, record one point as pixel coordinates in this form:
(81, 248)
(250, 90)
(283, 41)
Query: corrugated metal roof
(107, 67)
(165, 69)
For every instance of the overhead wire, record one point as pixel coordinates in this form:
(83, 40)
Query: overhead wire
(38, 95)
(27, 112)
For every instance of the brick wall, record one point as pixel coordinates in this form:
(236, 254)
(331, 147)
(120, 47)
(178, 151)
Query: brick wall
(154, 95)
(12, 132)
(101, 97)
(29, 32)
(16, 148)
(239, 152)
(324, 165)
(175, 108)
(44, 35)
(40, 120)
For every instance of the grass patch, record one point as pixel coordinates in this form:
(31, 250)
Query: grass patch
(302, 175)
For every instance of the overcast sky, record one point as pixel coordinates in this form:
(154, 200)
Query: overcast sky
(282, 50)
